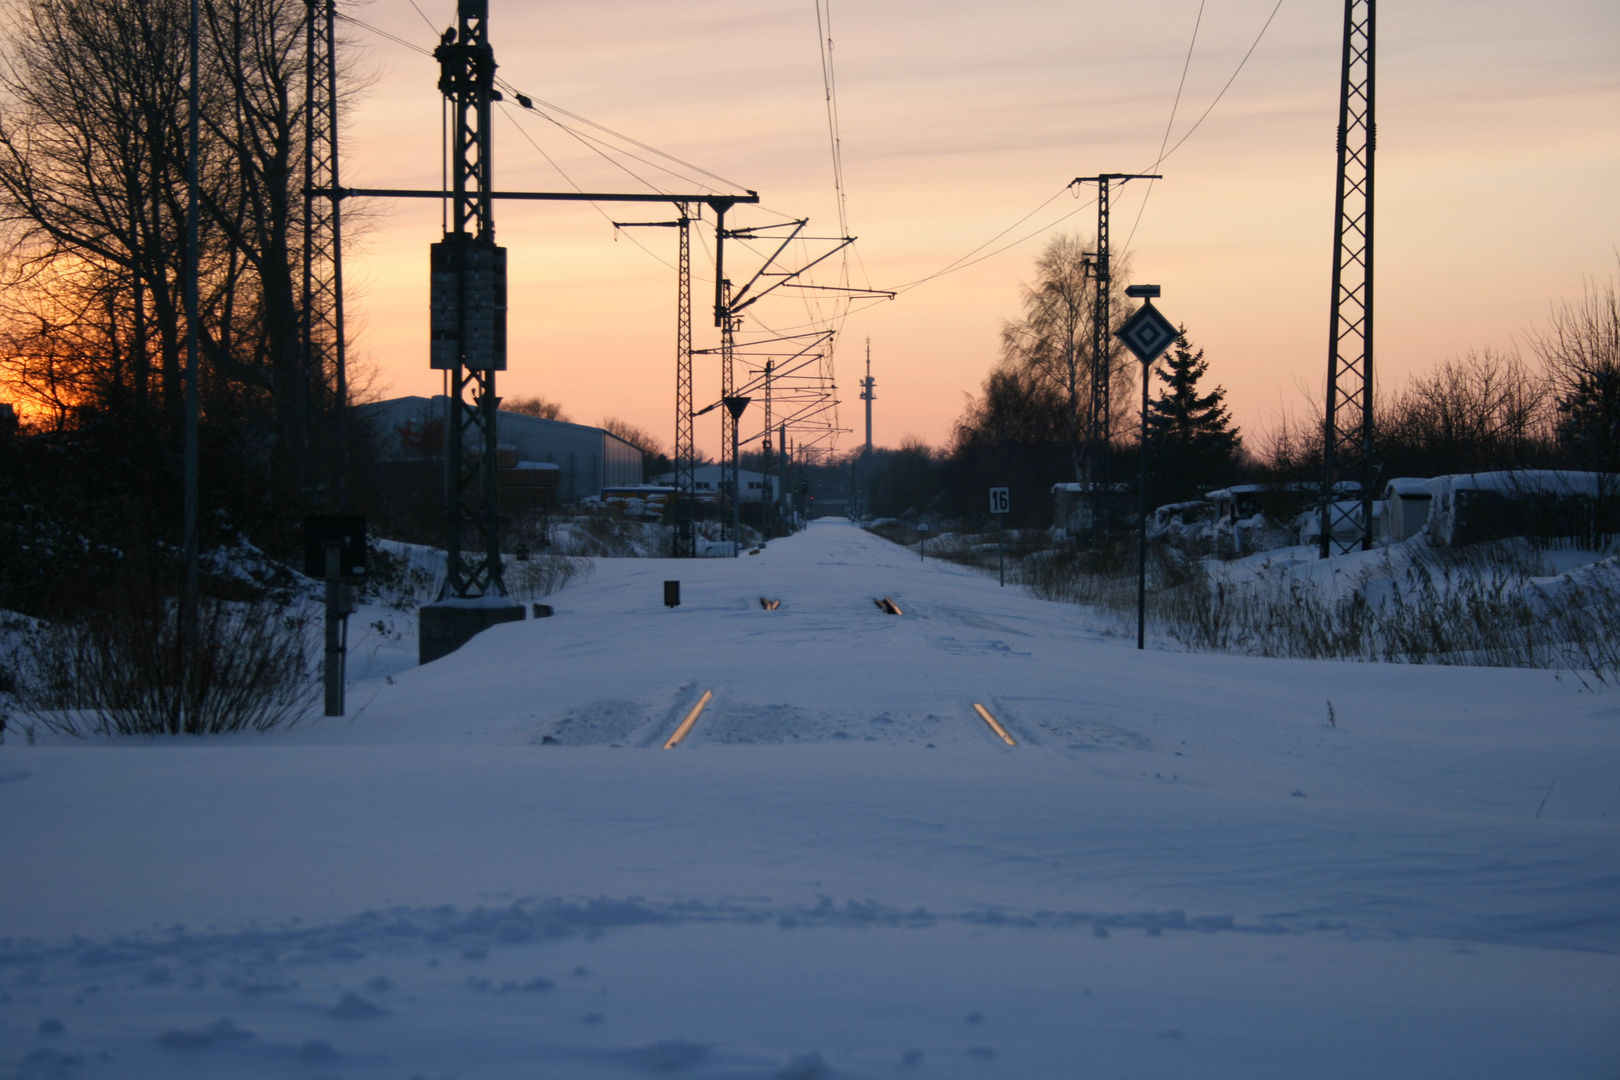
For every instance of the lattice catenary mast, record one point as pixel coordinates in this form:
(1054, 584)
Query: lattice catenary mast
(685, 540)
(325, 382)
(1098, 421)
(1347, 444)
(468, 298)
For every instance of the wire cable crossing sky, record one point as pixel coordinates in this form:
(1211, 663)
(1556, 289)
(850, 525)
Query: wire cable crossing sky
(953, 128)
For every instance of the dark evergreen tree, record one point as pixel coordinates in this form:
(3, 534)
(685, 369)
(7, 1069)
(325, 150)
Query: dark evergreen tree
(1589, 421)
(1016, 435)
(1580, 349)
(1192, 445)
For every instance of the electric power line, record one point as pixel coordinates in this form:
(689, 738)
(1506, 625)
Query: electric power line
(829, 90)
(1168, 124)
(962, 263)
(1163, 154)
(431, 28)
(507, 85)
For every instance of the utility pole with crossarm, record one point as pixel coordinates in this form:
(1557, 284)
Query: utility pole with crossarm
(1098, 418)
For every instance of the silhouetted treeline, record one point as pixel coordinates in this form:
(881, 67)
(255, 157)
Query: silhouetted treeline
(93, 156)
(1477, 412)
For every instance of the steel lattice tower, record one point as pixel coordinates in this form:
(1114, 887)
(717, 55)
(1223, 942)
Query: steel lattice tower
(766, 500)
(1347, 436)
(685, 441)
(1099, 418)
(469, 311)
(685, 539)
(1098, 427)
(325, 369)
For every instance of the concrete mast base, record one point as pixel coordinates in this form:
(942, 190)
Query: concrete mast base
(446, 627)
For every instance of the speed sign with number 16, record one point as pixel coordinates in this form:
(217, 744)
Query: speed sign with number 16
(1000, 500)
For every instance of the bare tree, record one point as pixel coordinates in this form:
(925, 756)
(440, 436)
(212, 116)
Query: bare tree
(92, 197)
(1053, 340)
(1290, 451)
(536, 406)
(257, 51)
(1474, 412)
(638, 437)
(92, 187)
(653, 458)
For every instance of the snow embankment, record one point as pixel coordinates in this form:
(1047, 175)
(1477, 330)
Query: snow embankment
(1188, 866)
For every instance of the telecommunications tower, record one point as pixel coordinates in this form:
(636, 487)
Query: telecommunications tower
(868, 394)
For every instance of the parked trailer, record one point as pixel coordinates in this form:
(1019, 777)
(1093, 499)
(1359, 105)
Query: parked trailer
(1469, 508)
(1406, 507)
(1279, 502)
(1174, 520)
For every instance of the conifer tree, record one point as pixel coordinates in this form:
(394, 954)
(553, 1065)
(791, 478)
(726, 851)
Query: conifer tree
(1192, 444)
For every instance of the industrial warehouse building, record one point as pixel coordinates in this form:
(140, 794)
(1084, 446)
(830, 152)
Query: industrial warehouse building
(587, 459)
(707, 483)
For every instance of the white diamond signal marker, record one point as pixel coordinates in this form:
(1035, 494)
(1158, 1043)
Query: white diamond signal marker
(1148, 333)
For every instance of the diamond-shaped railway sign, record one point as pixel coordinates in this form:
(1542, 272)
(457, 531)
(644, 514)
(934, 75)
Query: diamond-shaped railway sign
(1148, 333)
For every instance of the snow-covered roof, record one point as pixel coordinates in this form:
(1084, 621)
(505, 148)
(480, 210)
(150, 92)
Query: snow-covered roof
(1528, 481)
(1408, 487)
(1342, 487)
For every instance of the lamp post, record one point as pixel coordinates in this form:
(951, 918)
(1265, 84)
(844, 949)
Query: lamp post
(735, 406)
(1147, 334)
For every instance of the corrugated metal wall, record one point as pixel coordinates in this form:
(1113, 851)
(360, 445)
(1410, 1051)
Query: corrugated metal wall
(588, 457)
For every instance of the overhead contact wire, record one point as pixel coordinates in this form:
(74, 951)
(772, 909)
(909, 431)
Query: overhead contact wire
(570, 180)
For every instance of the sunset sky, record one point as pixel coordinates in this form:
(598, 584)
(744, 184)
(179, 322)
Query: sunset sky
(1498, 170)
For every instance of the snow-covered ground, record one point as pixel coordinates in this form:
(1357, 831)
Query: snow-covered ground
(493, 869)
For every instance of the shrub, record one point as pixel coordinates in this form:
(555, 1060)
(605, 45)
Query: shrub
(1491, 605)
(122, 670)
(543, 574)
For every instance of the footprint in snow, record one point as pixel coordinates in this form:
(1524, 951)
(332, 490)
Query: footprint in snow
(804, 1067)
(220, 1031)
(667, 1056)
(316, 1051)
(355, 1007)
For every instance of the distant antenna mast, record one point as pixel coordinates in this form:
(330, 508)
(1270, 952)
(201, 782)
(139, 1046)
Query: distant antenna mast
(868, 394)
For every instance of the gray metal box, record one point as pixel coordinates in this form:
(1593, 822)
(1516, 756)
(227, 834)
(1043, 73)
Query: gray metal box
(471, 273)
